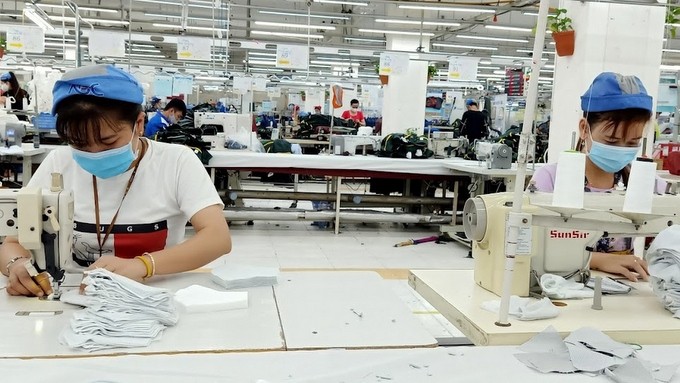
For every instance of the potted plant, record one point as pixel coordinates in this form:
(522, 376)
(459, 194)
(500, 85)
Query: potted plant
(562, 32)
(431, 72)
(384, 79)
(672, 19)
(3, 43)
(303, 95)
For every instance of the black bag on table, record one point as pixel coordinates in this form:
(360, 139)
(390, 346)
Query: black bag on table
(397, 145)
(188, 137)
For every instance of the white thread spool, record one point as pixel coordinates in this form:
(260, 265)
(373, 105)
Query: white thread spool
(640, 188)
(569, 178)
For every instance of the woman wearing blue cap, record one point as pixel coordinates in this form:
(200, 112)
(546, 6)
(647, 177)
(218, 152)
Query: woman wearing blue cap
(474, 122)
(616, 109)
(133, 196)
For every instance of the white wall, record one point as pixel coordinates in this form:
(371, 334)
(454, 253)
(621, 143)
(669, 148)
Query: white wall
(609, 38)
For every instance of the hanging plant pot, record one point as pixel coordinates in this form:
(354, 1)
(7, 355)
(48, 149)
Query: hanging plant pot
(2, 52)
(564, 42)
(384, 79)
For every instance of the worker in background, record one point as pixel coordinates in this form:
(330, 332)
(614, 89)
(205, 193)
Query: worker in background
(133, 196)
(474, 122)
(10, 88)
(317, 109)
(171, 114)
(616, 109)
(354, 113)
(154, 104)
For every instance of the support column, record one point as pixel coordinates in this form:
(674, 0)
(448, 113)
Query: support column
(609, 38)
(404, 96)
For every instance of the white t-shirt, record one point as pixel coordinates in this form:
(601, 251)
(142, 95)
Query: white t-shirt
(171, 186)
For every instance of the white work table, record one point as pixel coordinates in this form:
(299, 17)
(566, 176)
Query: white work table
(637, 317)
(307, 310)
(27, 155)
(439, 365)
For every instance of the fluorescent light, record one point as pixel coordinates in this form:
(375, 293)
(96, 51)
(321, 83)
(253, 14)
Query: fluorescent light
(504, 28)
(286, 34)
(79, 7)
(671, 50)
(10, 14)
(490, 75)
(160, 2)
(146, 50)
(416, 22)
(189, 27)
(180, 17)
(670, 67)
(549, 66)
(291, 25)
(465, 47)
(491, 38)
(261, 62)
(343, 59)
(145, 55)
(447, 9)
(275, 70)
(380, 31)
(71, 44)
(535, 14)
(37, 16)
(513, 57)
(368, 75)
(365, 40)
(89, 20)
(485, 62)
(334, 63)
(261, 54)
(547, 70)
(210, 78)
(358, 3)
(489, 67)
(546, 52)
(304, 15)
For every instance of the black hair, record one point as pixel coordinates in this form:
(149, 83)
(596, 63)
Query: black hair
(618, 119)
(80, 117)
(354, 101)
(178, 105)
(13, 82)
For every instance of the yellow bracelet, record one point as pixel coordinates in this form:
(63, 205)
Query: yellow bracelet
(147, 265)
(153, 264)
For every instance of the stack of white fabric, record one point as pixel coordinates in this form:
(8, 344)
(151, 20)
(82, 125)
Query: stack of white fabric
(235, 276)
(119, 312)
(663, 258)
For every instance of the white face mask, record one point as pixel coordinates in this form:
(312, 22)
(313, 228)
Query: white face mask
(4, 87)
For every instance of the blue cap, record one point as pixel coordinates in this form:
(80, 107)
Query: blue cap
(5, 76)
(104, 80)
(154, 99)
(470, 101)
(613, 91)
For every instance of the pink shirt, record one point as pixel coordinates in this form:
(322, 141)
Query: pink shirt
(544, 180)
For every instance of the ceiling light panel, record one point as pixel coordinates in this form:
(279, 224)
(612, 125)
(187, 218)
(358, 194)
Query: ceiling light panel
(418, 22)
(446, 9)
(303, 15)
(292, 25)
(444, 45)
(386, 32)
(475, 37)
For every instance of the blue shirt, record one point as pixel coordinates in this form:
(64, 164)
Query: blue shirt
(156, 123)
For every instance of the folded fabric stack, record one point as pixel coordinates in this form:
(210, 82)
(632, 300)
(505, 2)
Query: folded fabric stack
(235, 276)
(119, 312)
(663, 258)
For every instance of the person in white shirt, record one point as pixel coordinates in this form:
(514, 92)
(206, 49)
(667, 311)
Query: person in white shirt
(133, 196)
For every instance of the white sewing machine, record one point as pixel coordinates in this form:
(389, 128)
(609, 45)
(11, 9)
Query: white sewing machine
(227, 123)
(496, 155)
(42, 220)
(553, 239)
(445, 146)
(349, 143)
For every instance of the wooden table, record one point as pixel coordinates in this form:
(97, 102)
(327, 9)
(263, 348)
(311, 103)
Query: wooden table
(634, 318)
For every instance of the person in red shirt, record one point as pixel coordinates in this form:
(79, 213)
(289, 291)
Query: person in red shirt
(354, 113)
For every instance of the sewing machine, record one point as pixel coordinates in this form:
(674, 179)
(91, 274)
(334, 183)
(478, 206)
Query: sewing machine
(445, 146)
(349, 143)
(42, 220)
(496, 155)
(553, 239)
(227, 123)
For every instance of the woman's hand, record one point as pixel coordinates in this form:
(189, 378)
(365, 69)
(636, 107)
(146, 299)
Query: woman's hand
(130, 268)
(20, 283)
(626, 265)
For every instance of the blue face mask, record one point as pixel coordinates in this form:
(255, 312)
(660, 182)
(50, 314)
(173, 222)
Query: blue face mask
(611, 158)
(108, 163)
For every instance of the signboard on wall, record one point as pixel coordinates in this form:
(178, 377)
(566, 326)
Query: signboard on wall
(514, 82)
(292, 56)
(106, 44)
(193, 48)
(25, 39)
(463, 68)
(393, 63)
